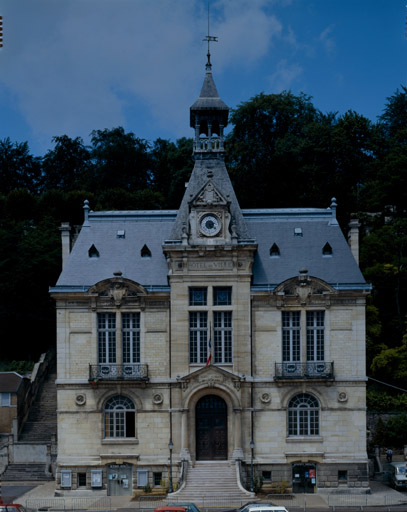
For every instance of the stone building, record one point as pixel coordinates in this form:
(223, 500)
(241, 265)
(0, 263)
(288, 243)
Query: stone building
(210, 333)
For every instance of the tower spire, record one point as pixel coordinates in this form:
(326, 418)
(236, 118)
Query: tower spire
(209, 39)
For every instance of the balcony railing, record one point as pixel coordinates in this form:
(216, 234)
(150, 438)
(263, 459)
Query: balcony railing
(309, 370)
(130, 371)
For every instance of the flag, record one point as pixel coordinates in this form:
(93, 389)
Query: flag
(208, 361)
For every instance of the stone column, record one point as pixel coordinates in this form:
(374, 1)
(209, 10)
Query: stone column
(184, 454)
(237, 441)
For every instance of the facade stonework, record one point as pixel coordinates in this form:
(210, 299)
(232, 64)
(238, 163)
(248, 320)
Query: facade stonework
(236, 336)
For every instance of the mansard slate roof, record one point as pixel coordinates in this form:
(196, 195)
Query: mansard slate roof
(267, 227)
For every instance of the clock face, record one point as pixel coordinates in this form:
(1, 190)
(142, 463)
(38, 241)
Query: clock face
(210, 225)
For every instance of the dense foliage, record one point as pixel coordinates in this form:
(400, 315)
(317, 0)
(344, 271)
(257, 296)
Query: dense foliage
(281, 152)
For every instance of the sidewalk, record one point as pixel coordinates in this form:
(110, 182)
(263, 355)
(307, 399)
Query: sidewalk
(381, 495)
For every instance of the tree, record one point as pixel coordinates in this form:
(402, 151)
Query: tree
(67, 166)
(18, 168)
(171, 167)
(265, 144)
(121, 160)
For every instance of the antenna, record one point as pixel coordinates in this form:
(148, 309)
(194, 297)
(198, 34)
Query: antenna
(210, 39)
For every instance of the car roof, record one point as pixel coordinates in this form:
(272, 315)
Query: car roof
(173, 508)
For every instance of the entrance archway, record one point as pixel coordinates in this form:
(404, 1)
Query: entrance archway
(211, 417)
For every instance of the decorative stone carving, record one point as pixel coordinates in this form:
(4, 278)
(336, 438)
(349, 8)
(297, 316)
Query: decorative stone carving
(342, 396)
(158, 398)
(117, 289)
(265, 398)
(80, 399)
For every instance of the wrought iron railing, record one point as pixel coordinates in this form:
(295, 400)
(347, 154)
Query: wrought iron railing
(309, 370)
(130, 371)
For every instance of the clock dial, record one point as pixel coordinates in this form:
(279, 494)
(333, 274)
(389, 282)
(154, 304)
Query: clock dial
(210, 225)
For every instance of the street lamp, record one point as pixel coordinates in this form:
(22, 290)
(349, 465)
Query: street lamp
(170, 446)
(251, 464)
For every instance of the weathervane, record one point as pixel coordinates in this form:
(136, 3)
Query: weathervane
(210, 39)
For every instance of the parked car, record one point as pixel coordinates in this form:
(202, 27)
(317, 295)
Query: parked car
(169, 508)
(190, 507)
(258, 507)
(11, 507)
(398, 475)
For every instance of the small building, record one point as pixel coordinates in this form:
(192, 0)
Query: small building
(13, 390)
(211, 333)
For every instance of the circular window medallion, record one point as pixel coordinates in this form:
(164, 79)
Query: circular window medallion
(80, 399)
(342, 397)
(265, 398)
(158, 398)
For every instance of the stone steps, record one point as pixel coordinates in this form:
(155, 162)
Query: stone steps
(26, 473)
(41, 423)
(210, 479)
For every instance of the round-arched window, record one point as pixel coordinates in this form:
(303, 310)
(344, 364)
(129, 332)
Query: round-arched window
(120, 415)
(303, 416)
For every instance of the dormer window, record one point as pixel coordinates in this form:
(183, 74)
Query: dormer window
(93, 252)
(121, 233)
(297, 231)
(274, 251)
(145, 252)
(327, 250)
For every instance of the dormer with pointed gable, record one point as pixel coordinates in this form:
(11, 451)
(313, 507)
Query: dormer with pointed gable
(209, 217)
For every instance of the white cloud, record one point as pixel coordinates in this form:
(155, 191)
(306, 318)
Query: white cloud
(326, 39)
(77, 65)
(285, 76)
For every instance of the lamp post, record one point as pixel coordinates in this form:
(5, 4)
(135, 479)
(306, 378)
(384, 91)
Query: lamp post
(170, 446)
(251, 465)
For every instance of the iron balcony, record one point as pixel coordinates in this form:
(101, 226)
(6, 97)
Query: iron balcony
(309, 370)
(128, 371)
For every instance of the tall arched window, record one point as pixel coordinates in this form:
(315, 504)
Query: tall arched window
(303, 416)
(120, 416)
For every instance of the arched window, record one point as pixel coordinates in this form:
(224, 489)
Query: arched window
(145, 252)
(303, 416)
(327, 250)
(93, 252)
(120, 415)
(274, 251)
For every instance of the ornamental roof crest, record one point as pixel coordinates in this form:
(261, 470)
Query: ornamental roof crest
(210, 196)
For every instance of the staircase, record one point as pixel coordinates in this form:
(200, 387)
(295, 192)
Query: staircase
(42, 418)
(211, 480)
(36, 436)
(27, 472)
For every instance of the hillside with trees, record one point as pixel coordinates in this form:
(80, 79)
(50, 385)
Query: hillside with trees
(281, 152)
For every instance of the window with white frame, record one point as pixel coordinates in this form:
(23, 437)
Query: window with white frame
(5, 399)
(131, 337)
(222, 334)
(198, 336)
(303, 415)
(291, 322)
(315, 335)
(210, 325)
(107, 338)
(120, 415)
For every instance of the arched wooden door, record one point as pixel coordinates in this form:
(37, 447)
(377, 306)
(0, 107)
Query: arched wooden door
(211, 417)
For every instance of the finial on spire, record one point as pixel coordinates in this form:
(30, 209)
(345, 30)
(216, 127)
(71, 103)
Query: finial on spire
(210, 39)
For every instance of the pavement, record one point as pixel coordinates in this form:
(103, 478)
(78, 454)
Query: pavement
(381, 495)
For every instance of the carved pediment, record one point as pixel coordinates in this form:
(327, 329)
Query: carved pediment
(210, 196)
(303, 288)
(211, 376)
(117, 289)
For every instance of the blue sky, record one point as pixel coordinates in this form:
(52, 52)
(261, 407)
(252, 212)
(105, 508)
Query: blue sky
(72, 66)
